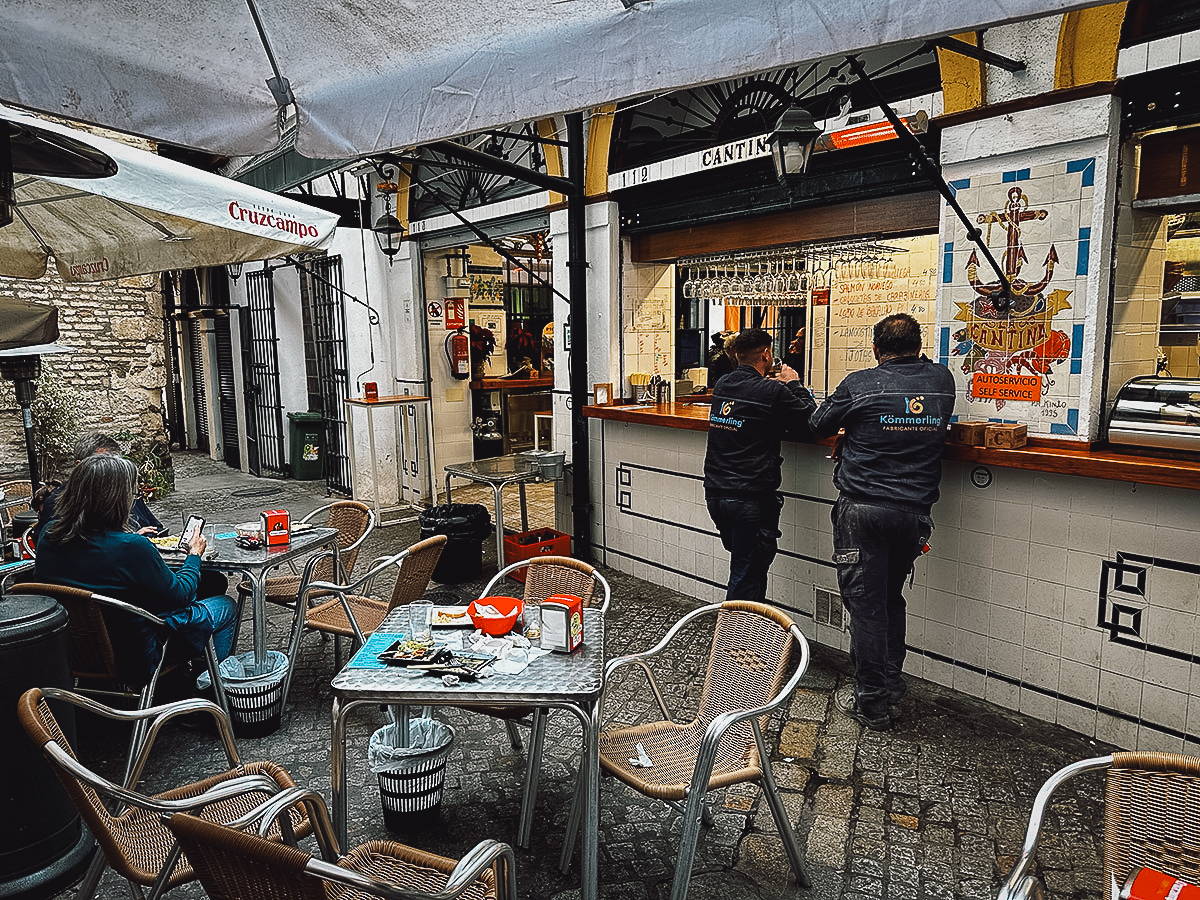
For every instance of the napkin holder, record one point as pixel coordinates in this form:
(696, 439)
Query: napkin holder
(562, 623)
(275, 529)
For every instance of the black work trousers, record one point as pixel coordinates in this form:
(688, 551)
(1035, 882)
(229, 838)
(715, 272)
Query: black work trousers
(874, 548)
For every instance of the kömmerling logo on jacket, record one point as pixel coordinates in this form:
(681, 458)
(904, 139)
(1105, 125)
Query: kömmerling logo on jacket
(721, 417)
(913, 407)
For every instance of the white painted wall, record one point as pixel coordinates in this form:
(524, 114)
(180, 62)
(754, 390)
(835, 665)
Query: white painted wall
(604, 309)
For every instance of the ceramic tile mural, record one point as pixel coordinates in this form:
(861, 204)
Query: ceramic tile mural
(1023, 364)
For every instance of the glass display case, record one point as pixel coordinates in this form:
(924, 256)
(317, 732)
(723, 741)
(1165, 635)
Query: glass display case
(1162, 413)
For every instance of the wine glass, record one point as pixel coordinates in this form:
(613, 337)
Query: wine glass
(737, 285)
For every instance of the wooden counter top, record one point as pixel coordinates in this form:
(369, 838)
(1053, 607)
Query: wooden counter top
(507, 384)
(1039, 455)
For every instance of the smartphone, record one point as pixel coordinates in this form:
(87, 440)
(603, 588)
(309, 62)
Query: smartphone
(191, 531)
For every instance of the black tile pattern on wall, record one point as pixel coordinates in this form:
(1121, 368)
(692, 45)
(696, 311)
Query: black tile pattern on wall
(1125, 607)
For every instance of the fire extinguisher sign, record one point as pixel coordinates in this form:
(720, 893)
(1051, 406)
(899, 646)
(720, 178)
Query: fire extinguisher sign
(436, 312)
(456, 312)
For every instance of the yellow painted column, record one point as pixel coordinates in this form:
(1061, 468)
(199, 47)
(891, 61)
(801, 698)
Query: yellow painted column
(963, 85)
(553, 155)
(1088, 44)
(599, 141)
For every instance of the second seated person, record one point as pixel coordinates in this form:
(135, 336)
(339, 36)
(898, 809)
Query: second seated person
(749, 417)
(89, 545)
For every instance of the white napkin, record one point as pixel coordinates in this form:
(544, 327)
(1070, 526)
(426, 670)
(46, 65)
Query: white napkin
(642, 761)
(518, 660)
(513, 652)
(486, 611)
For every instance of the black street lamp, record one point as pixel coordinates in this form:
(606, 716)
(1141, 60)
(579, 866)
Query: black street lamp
(792, 142)
(389, 232)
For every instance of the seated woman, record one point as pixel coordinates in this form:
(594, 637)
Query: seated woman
(90, 545)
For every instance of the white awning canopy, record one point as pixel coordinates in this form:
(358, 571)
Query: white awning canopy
(370, 76)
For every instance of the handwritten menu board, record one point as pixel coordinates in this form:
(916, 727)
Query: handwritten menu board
(857, 303)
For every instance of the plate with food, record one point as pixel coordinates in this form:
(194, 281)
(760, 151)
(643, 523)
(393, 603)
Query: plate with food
(168, 544)
(451, 617)
(407, 653)
(462, 663)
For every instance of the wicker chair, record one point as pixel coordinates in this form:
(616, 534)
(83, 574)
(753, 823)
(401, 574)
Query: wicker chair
(93, 661)
(353, 612)
(746, 681)
(1151, 806)
(354, 522)
(133, 840)
(545, 576)
(15, 490)
(234, 865)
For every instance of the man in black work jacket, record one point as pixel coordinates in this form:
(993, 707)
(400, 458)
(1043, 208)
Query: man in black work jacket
(750, 415)
(888, 470)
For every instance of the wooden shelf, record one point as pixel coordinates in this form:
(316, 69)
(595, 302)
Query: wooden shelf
(508, 384)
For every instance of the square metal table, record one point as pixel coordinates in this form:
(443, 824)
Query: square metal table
(554, 681)
(224, 555)
(499, 471)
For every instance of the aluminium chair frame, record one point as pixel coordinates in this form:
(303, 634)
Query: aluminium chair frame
(24, 491)
(146, 696)
(1022, 884)
(361, 586)
(484, 855)
(154, 718)
(695, 809)
(340, 566)
(538, 715)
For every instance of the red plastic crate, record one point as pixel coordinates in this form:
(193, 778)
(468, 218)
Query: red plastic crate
(539, 542)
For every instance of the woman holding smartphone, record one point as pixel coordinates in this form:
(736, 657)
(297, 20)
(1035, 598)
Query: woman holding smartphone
(89, 545)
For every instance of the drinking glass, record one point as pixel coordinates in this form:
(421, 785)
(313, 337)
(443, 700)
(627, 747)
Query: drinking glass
(533, 621)
(420, 620)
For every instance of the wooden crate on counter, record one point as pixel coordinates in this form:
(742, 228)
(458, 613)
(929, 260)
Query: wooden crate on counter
(970, 434)
(1004, 437)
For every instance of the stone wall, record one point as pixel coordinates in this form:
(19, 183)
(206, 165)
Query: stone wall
(119, 363)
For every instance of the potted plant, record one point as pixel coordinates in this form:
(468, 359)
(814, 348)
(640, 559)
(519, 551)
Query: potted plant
(483, 342)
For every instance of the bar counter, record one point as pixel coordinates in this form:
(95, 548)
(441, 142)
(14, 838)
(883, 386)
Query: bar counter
(1063, 457)
(1063, 579)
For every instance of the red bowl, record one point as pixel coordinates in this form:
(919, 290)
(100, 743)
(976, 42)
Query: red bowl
(510, 606)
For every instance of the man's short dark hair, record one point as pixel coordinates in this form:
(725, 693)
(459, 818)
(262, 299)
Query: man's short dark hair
(898, 335)
(749, 342)
(91, 444)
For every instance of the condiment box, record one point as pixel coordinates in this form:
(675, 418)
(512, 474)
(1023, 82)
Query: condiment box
(562, 623)
(1004, 437)
(1147, 884)
(275, 528)
(968, 433)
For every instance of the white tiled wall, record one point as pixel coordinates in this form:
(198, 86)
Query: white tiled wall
(1075, 600)
(648, 309)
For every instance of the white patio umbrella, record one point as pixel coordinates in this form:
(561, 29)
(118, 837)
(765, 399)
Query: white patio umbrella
(137, 212)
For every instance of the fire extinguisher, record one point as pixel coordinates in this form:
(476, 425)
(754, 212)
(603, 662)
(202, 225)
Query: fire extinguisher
(458, 353)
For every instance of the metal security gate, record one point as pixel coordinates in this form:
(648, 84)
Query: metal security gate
(260, 365)
(322, 292)
(195, 339)
(226, 393)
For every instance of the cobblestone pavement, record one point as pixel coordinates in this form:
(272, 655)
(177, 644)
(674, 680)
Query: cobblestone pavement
(935, 808)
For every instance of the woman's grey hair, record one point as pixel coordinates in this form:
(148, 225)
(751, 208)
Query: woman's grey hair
(98, 497)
